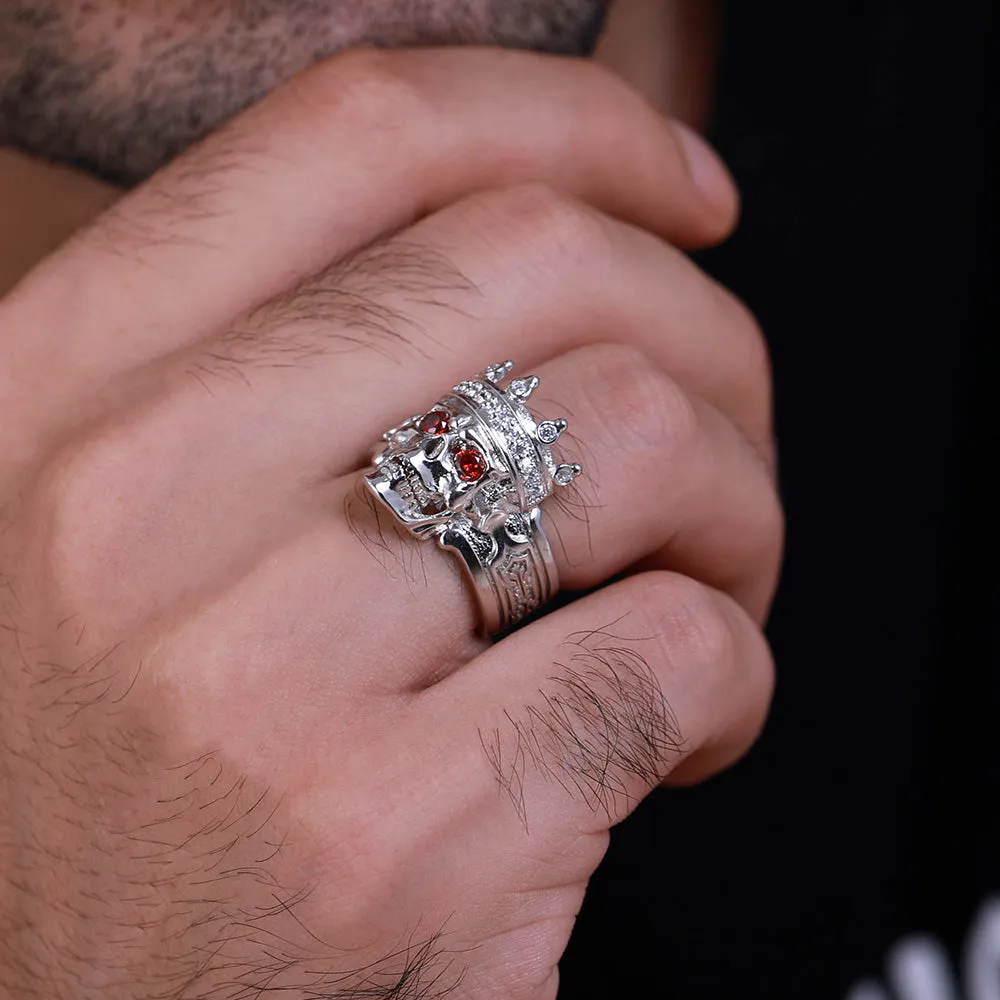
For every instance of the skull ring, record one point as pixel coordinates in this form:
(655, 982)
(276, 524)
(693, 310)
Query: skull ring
(472, 472)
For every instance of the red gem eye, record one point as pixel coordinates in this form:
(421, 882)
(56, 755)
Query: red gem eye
(435, 422)
(470, 462)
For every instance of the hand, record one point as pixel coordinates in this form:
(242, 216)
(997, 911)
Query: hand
(249, 740)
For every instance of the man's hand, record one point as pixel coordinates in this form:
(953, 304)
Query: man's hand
(249, 741)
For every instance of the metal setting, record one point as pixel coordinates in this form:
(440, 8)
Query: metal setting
(472, 472)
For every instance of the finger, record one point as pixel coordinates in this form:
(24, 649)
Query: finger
(284, 411)
(356, 147)
(526, 273)
(575, 718)
(668, 480)
(303, 391)
(275, 423)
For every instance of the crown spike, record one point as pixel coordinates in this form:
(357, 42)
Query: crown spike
(549, 430)
(565, 474)
(498, 372)
(522, 388)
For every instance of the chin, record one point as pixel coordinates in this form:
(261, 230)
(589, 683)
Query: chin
(120, 99)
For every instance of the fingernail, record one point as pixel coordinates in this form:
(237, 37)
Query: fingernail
(708, 171)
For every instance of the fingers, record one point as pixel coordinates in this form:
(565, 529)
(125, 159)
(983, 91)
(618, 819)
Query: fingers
(668, 482)
(524, 272)
(304, 389)
(358, 146)
(668, 479)
(567, 724)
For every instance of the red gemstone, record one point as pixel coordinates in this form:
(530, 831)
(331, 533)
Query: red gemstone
(470, 462)
(435, 422)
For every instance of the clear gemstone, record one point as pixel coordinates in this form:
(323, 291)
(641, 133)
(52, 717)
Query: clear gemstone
(565, 474)
(497, 373)
(548, 432)
(524, 387)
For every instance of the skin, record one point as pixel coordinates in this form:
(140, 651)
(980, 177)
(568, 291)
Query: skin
(226, 767)
(665, 48)
(120, 87)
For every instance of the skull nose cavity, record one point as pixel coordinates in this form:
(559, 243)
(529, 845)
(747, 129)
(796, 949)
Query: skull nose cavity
(435, 447)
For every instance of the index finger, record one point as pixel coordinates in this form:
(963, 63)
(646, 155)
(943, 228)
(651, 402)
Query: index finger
(356, 147)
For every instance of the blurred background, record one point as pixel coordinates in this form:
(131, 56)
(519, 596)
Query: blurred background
(856, 852)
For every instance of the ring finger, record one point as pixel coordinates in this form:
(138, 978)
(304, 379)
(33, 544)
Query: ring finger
(296, 394)
(669, 481)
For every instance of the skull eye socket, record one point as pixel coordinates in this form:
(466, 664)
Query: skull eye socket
(435, 422)
(470, 462)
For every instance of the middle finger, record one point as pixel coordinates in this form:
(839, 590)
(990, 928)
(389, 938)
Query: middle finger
(670, 480)
(301, 389)
(524, 271)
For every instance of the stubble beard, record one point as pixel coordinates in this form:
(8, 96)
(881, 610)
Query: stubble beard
(120, 87)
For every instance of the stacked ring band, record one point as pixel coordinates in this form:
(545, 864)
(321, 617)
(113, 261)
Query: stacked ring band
(472, 473)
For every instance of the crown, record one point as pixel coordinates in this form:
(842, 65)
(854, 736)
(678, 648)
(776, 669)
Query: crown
(527, 440)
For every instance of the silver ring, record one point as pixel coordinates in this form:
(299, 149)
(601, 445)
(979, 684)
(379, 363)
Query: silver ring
(472, 473)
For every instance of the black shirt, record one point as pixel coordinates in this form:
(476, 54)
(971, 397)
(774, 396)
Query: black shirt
(864, 143)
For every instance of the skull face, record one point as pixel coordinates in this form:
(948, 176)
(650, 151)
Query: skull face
(441, 465)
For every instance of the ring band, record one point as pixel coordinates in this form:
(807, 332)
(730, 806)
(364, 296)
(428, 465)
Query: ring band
(512, 575)
(472, 472)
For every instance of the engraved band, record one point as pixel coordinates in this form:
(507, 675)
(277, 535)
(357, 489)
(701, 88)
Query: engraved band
(472, 472)
(514, 575)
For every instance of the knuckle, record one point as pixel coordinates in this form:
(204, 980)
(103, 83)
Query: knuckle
(76, 498)
(758, 360)
(772, 526)
(94, 517)
(754, 362)
(369, 85)
(540, 227)
(764, 555)
(761, 509)
(704, 632)
(690, 621)
(644, 407)
(760, 684)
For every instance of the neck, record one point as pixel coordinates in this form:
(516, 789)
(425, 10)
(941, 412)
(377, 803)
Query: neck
(40, 206)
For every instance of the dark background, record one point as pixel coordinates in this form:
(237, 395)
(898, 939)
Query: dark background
(863, 136)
